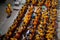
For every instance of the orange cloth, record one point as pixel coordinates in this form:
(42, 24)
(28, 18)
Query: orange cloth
(8, 11)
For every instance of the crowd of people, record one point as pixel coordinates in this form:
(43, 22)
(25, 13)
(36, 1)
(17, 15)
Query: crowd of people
(37, 20)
